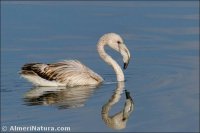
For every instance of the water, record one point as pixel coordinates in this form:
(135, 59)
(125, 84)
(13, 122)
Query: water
(162, 77)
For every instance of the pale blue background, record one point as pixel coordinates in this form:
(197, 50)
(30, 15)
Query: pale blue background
(162, 77)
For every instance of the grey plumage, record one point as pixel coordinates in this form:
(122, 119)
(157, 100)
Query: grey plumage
(67, 72)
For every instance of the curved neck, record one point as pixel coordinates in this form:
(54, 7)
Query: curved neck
(110, 61)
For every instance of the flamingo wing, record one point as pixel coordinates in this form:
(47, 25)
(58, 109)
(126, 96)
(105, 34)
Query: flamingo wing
(67, 72)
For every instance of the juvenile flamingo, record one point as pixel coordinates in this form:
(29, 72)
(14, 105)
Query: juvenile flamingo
(74, 73)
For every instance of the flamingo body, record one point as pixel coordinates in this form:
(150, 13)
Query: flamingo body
(65, 73)
(72, 72)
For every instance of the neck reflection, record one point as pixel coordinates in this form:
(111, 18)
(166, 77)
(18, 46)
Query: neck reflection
(118, 120)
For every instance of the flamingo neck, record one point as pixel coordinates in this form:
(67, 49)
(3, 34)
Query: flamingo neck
(110, 61)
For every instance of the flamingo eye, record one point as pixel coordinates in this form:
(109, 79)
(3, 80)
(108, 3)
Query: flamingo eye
(118, 42)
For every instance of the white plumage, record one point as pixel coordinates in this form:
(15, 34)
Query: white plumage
(73, 72)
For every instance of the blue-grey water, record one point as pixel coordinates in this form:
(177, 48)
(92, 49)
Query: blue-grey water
(162, 77)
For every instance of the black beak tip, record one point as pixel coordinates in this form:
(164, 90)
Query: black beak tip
(125, 65)
(127, 94)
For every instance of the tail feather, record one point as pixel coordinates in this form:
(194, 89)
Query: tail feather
(29, 66)
(27, 72)
(28, 69)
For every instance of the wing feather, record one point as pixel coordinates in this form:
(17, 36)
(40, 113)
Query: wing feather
(69, 72)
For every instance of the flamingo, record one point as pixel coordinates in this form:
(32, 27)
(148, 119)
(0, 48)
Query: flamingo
(74, 73)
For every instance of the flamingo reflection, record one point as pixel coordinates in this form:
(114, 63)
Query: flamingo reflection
(118, 120)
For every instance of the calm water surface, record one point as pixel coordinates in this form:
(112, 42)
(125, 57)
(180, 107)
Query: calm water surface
(162, 77)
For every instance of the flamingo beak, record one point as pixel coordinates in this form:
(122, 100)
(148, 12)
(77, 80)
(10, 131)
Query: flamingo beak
(126, 64)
